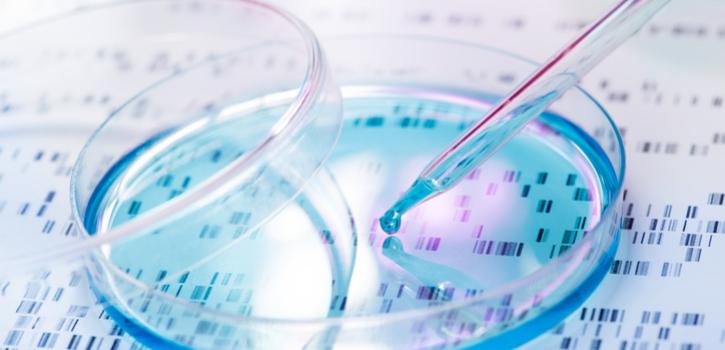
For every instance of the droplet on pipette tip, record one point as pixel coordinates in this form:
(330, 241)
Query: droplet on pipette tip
(390, 222)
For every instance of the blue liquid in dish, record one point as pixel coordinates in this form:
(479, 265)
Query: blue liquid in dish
(530, 203)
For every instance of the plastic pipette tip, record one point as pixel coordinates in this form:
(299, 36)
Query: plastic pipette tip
(390, 222)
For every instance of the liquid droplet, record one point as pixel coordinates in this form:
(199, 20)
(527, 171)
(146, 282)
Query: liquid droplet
(390, 222)
(421, 190)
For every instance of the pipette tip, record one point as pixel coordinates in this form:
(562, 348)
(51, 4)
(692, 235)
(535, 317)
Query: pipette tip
(421, 190)
(390, 222)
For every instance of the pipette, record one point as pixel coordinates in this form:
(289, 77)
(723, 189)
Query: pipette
(529, 99)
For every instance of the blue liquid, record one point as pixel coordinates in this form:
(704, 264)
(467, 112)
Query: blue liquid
(257, 277)
(531, 202)
(538, 196)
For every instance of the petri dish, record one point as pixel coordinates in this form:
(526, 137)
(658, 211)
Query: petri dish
(236, 132)
(292, 109)
(220, 188)
(495, 262)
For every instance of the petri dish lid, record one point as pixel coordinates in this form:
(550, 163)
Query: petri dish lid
(61, 77)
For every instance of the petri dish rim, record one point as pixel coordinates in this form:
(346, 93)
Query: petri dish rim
(363, 320)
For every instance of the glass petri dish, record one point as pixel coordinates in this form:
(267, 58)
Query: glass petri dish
(236, 132)
(495, 262)
(243, 62)
(220, 185)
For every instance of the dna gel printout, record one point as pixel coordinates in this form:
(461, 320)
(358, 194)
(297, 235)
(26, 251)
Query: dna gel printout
(665, 89)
